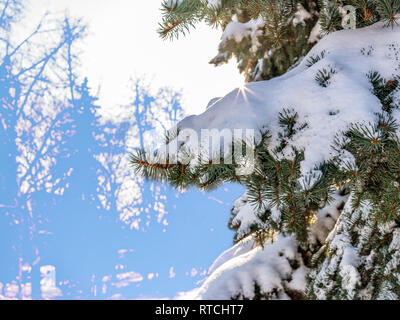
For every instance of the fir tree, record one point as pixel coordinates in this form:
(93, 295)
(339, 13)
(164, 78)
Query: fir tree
(342, 214)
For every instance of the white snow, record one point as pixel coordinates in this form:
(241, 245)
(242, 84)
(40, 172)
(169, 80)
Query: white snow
(238, 31)
(301, 15)
(348, 269)
(315, 34)
(238, 273)
(242, 247)
(213, 3)
(298, 281)
(327, 111)
(327, 217)
(245, 215)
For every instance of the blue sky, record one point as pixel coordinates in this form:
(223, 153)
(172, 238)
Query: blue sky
(75, 221)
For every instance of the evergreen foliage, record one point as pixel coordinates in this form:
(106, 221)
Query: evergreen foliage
(276, 182)
(370, 222)
(359, 259)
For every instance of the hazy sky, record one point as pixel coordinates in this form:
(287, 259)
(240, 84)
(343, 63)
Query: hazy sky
(123, 43)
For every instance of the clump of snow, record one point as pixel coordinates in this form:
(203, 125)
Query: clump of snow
(238, 31)
(327, 217)
(348, 269)
(316, 33)
(244, 216)
(301, 15)
(307, 181)
(242, 247)
(298, 282)
(245, 268)
(349, 94)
